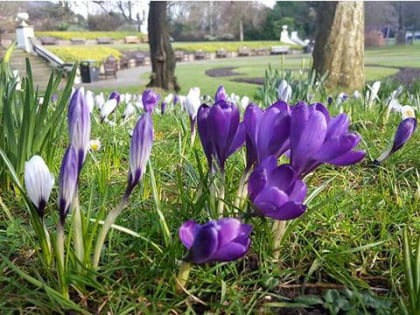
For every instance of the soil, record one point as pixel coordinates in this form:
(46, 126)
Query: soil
(405, 75)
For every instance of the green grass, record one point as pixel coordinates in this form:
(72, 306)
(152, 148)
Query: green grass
(350, 237)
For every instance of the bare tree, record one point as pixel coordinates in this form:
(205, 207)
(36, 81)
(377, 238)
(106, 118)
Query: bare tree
(339, 43)
(161, 52)
(129, 10)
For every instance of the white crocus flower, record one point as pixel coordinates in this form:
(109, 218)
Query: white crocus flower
(284, 91)
(373, 94)
(244, 102)
(90, 100)
(356, 95)
(129, 111)
(38, 182)
(100, 100)
(193, 102)
(108, 107)
(182, 100)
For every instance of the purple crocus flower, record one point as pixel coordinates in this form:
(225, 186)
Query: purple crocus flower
(79, 125)
(275, 191)
(317, 138)
(140, 149)
(69, 174)
(267, 131)
(220, 132)
(220, 94)
(405, 130)
(149, 100)
(223, 240)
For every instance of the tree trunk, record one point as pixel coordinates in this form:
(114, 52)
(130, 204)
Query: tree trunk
(161, 53)
(339, 43)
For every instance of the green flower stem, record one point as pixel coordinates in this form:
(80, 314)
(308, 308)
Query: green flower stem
(110, 219)
(221, 196)
(79, 247)
(162, 220)
(44, 238)
(279, 227)
(60, 260)
(242, 191)
(183, 275)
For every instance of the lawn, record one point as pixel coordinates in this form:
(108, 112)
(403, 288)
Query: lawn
(344, 255)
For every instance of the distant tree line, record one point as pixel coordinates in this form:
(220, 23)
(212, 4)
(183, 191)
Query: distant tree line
(205, 20)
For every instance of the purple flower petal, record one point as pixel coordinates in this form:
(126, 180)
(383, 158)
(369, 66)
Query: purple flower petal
(404, 132)
(205, 244)
(187, 233)
(349, 158)
(289, 211)
(270, 199)
(336, 147)
(231, 251)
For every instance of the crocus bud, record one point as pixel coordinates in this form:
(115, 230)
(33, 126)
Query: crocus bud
(110, 105)
(149, 100)
(220, 132)
(79, 124)
(404, 132)
(193, 102)
(38, 182)
(226, 239)
(168, 99)
(69, 174)
(140, 149)
(284, 91)
(220, 94)
(90, 100)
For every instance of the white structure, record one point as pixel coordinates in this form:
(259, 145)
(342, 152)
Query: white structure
(24, 32)
(295, 38)
(284, 36)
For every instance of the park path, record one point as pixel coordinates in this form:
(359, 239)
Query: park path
(125, 78)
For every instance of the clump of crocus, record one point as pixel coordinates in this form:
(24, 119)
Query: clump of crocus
(317, 138)
(226, 239)
(405, 130)
(38, 183)
(267, 132)
(220, 132)
(149, 100)
(275, 191)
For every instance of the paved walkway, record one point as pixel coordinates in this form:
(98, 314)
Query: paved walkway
(125, 78)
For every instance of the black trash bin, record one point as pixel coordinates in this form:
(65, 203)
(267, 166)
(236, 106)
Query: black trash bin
(89, 71)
